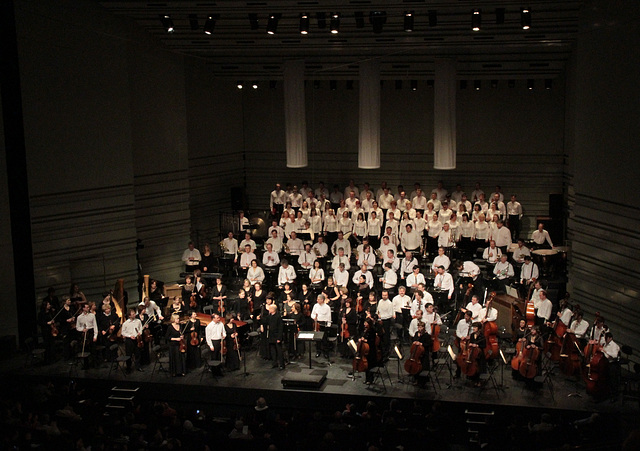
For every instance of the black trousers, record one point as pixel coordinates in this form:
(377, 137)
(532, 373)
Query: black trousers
(276, 353)
(132, 350)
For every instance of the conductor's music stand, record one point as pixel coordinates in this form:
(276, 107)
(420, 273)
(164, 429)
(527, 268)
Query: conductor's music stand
(310, 336)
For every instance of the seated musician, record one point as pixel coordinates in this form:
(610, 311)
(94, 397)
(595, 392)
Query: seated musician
(307, 258)
(191, 258)
(393, 236)
(596, 336)
(431, 318)
(276, 227)
(543, 313)
(541, 238)
(470, 271)
(320, 248)
(477, 340)
(441, 260)
(390, 258)
(463, 332)
(492, 254)
(535, 295)
(246, 258)
(407, 264)
(564, 312)
(321, 313)
(341, 276)
(521, 252)
(295, 245)
(474, 307)
(255, 272)
(177, 306)
(503, 273)
(286, 274)
(316, 275)
(340, 259)
(343, 243)
(414, 279)
(392, 228)
(386, 245)
(419, 303)
(488, 313)
(152, 309)
(368, 277)
(422, 337)
(247, 242)
(528, 275)
(230, 247)
(367, 257)
(275, 241)
(270, 261)
(444, 282)
(579, 327)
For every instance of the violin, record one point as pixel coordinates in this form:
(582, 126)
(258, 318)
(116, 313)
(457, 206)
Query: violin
(195, 340)
(413, 365)
(193, 303)
(54, 329)
(183, 341)
(306, 309)
(344, 331)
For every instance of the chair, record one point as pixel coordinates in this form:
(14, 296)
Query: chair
(33, 354)
(208, 309)
(213, 366)
(631, 382)
(118, 360)
(160, 361)
(626, 352)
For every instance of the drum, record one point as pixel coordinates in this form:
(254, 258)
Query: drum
(547, 261)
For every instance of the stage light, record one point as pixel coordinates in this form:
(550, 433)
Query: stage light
(335, 23)
(253, 21)
(167, 23)
(548, 83)
(477, 84)
(333, 85)
(433, 18)
(500, 16)
(359, 15)
(304, 23)
(240, 85)
(272, 23)
(525, 18)
(494, 84)
(408, 21)
(193, 22)
(476, 19)
(254, 85)
(322, 20)
(530, 84)
(210, 24)
(350, 85)
(377, 19)
(398, 84)
(414, 85)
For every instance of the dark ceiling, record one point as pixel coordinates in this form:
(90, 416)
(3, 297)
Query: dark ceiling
(496, 51)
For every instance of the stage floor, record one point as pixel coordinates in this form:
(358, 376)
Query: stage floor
(260, 379)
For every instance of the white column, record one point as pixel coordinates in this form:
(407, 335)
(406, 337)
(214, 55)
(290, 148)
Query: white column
(294, 114)
(369, 136)
(444, 123)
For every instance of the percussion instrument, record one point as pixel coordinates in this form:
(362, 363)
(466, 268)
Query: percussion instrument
(546, 259)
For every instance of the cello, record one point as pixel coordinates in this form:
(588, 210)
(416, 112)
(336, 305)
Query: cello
(435, 331)
(529, 365)
(468, 358)
(517, 360)
(360, 363)
(490, 331)
(413, 365)
(530, 314)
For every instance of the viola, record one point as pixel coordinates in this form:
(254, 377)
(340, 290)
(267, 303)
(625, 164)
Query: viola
(344, 332)
(54, 330)
(359, 305)
(140, 341)
(221, 307)
(195, 340)
(147, 336)
(306, 309)
(413, 365)
(183, 341)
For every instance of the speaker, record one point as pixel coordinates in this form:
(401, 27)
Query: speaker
(238, 200)
(556, 206)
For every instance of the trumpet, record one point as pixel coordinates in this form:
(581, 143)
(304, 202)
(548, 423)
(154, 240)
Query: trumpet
(223, 247)
(286, 248)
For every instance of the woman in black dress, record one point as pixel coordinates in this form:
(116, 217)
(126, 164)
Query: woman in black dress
(348, 326)
(370, 335)
(262, 320)
(208, 260)
(257, 299)
(177, 365)
(218, 295)
(232, 358)
(241, 306)
(145, 354)
(194, 355)
(297, 346)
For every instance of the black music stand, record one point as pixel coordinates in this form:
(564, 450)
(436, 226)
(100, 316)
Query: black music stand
(310, 336)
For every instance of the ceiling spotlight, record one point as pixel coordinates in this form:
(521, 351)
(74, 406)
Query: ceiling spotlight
(304, 23)
(167, 23)
(254, 85)
(477, 84)
(333, 85)
(240, 85)
(530, 84)
(335, 23)
(433, 18)
(408, 21)
(272, 23)
(500, 16)
(548, 83)
(414, 85)
(193, 22)
(350, 85)
(359, 15)
(494, 84)
(322, 20)
(476, 19)
(525, 18)
(377, 19)
(253, 21)
(210, 23)
(398, 84)
(511, 83)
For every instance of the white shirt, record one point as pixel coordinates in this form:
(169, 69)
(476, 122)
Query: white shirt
(335, 263)
(131, 328)
(419, 202)
(316, 274)
(368, 278)
(540, 237)
(153, 309)
(491, 315)
(475, 310)
(400, 302)
(520, 252)
(413, 280)
(395, 262)
(385, 309)
(279, 230)
(270, 259)
(287, 274)
(341, 278)
(87, 321)
(441, 260)
(296, 246)
(214, 331)
(306, 260)
(255, 274)
(344, 244)
(434, 228)
(406, 266)
(469, 269)
(246, 258)
(250, 243)
(482, 230)
(463, 329)
(544, 309)
(411, 241)
(611, 351)
(492, 255)
(384, 201)
(232, 246)
(277, 198)
(330, 223)
(322, 249)
(502, 237)
(579, 328)
(413, 327)
(429, 319)
(367, 258)
(321, 313)
(529, 271)
(389, 279)
(191, 257)
(566, 316)
(503, 270)
(514, 208)
(444, 282)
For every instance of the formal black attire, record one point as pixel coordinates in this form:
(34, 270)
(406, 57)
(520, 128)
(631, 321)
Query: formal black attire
(232, 359)
(275, 333)
(66, 332)
(208, 261)
(216, 292)
(370, 335)
(194, 355)
(177, 364)
(480, 340)
(104, 324)
(48, 339)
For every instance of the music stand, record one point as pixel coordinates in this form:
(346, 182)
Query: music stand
(489, 377)
(504, 363)
(398, 358)
(352, 344)
(310, 336)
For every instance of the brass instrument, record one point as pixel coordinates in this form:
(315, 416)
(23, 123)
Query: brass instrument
(347, 235)
(355, 253)
(223, 247)
(452, 238)
(286, 248)
(378, 253)
(317, 251)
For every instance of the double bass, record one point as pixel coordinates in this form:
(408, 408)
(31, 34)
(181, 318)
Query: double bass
(435, 332)
(490, 331)
(596, 375)
(360, 363)
(530, 315)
